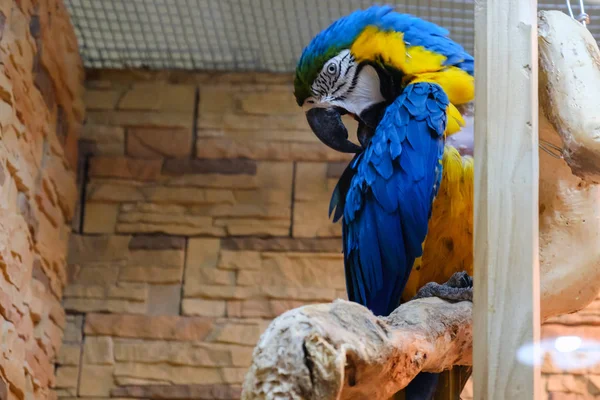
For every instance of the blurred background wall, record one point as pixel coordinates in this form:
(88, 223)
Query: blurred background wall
(205, 216)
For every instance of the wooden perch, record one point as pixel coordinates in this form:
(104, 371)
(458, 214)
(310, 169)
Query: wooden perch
(569, 115)
(341, 350)
(569, 87)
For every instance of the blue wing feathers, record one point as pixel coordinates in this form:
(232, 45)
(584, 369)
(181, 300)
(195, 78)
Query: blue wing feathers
(388, 202)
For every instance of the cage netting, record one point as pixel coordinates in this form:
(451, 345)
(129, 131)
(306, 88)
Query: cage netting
(238, 35)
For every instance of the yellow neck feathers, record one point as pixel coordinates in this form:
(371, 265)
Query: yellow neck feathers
(419, 65)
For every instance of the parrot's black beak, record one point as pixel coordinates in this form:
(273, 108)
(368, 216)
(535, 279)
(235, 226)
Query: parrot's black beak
(327, 125)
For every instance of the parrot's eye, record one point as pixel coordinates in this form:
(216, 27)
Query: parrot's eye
(332, 69)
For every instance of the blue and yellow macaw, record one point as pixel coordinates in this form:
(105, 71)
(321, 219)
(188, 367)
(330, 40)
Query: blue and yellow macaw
(402, 79)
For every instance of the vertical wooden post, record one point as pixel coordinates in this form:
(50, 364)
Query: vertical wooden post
(506, 281)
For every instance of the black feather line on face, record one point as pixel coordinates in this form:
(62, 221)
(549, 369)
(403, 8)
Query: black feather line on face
(338, 89)
(355, 78)
(335, 77)
(346, 56)
(321, 89)
(353, 83)
(339, 67)
(350, 65)
(325, 84)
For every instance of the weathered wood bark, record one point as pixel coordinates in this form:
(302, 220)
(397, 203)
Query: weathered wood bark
(569, 74)
(342, 351)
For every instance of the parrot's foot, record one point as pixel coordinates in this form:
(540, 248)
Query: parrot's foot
(458, 288)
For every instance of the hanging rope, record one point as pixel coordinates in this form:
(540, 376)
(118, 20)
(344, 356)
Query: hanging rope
(583, 17)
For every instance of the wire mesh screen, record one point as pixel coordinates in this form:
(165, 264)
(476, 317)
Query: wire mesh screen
(247, 35)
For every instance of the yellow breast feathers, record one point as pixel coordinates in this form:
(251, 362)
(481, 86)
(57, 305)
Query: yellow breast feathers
(448, 247)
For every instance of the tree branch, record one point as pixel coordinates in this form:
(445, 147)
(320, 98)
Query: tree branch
(341, 350)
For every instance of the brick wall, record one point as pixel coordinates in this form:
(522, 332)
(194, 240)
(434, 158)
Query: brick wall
(41, 111)
(205, 216)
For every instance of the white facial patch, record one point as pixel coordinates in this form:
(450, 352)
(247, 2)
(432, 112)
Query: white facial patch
(340, 83)
(335, 77)
(366, 92)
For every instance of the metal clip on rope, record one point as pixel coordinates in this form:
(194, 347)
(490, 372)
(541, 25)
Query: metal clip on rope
(583, 17)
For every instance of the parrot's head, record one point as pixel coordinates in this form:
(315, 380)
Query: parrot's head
(331, 81)
(362, 62)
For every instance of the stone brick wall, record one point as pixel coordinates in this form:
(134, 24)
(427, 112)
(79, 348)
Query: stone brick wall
(41, 111)
(205, 216)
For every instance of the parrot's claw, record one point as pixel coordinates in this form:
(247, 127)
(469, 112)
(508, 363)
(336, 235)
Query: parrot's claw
(458, 288)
